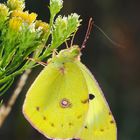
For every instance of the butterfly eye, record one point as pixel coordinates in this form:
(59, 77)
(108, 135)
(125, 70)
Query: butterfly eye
(91, 96)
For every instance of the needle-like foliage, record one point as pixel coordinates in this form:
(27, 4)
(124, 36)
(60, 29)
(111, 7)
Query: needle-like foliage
(23, 36)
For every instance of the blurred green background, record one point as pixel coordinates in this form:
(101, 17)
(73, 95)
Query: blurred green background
(117, 69)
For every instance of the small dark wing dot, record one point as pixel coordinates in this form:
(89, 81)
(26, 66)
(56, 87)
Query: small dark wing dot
(86, 127)
(44, 118)
(110, 113)
(91, 96)
(112, 121)
(79, 116)
(37, 108)
(84, 101)
(52, 124)
(101, 130)
(70, 124)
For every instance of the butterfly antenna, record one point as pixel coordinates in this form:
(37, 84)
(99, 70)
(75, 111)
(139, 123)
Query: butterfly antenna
(113, 42)
(90, 25)
(72, 40)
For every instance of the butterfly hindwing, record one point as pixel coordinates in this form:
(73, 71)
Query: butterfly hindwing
(57, 102)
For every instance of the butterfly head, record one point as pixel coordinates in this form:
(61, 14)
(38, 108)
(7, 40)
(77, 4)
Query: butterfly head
(73, 52)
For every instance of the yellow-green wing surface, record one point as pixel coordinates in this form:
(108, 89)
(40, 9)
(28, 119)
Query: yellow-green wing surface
(57, 102)
(99, 124)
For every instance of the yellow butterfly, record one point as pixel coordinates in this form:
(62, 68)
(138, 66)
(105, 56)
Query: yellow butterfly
(65, 101)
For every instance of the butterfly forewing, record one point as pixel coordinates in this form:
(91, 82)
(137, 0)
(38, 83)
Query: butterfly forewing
(99, 124)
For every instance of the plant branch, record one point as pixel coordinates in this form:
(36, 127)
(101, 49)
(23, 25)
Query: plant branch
(6, 109)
